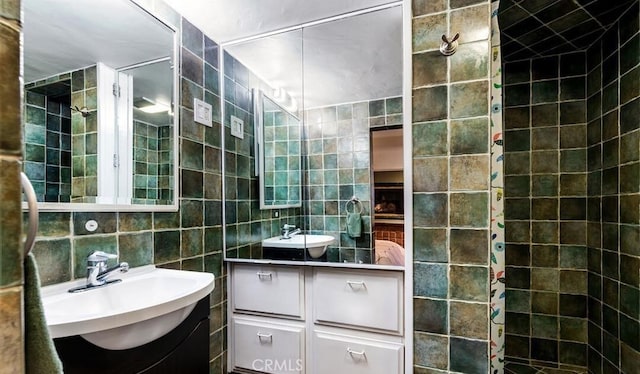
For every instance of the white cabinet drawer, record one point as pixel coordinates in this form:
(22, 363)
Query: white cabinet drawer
(267, 346)
(359, 298)
(337, 353)
(268, 289)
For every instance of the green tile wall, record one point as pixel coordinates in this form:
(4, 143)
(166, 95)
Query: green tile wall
(189, 239)
(450, 115)
(613, 184)
(245, 223)
(338, 163)
(572, 194)
(165, 166)
(65, 137)
(545, 210)
(11, 326)
(84, 136)
(152, 155)
(47, 145)
(282, 157)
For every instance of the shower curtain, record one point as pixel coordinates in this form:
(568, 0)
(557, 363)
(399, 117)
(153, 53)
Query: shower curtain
(497, 277)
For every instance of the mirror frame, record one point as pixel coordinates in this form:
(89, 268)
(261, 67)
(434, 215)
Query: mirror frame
(174, 206)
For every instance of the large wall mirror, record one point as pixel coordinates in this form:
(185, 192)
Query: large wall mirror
(338, 81)
(100, 125)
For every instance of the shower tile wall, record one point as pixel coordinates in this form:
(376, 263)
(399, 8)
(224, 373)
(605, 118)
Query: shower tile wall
(572, 186)
(339, 167)
(47, 142)
(613, 184)
(69, 145)
(84, 135)
(451, 207)
(189, 239)
(49, 135)
(245, 223)
(545, 210)
(11, 336)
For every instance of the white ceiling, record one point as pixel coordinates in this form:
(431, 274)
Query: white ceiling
(348, 60)
(65, 35)
(227, 20)
(353, 59)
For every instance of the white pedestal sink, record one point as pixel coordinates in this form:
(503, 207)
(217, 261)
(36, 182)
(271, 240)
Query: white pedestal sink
(147, 304)
(315, 244)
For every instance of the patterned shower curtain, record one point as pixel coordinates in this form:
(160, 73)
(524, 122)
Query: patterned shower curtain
(497, 311)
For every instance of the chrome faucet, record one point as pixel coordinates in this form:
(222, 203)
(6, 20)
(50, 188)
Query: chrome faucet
(289, 231)
(97, 271)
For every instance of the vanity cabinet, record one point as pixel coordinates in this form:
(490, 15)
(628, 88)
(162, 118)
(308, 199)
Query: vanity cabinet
(351, 352)
(268, 290)
(358, 298)
(268, 344)
(185, 349)
(315, 320)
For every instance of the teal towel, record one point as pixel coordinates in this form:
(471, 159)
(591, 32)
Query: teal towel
(40, 354)
(354, 225)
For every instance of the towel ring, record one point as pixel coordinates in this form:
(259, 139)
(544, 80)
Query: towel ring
(354, 202)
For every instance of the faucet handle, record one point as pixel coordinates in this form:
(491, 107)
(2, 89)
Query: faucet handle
(100, 256)
(288, 226)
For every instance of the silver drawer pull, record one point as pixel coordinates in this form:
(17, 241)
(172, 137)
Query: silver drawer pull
(351, 352)
(358, 284)
(266, 337)
(264, 275)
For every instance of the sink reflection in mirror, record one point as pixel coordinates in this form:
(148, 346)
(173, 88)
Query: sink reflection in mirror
(297, 247)
(345, 77)
(83, 104)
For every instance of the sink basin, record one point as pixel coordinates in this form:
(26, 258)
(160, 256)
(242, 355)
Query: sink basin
(148, 303)
(315, 244)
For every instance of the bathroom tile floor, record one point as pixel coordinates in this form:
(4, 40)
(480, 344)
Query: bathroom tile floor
(513, 368)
